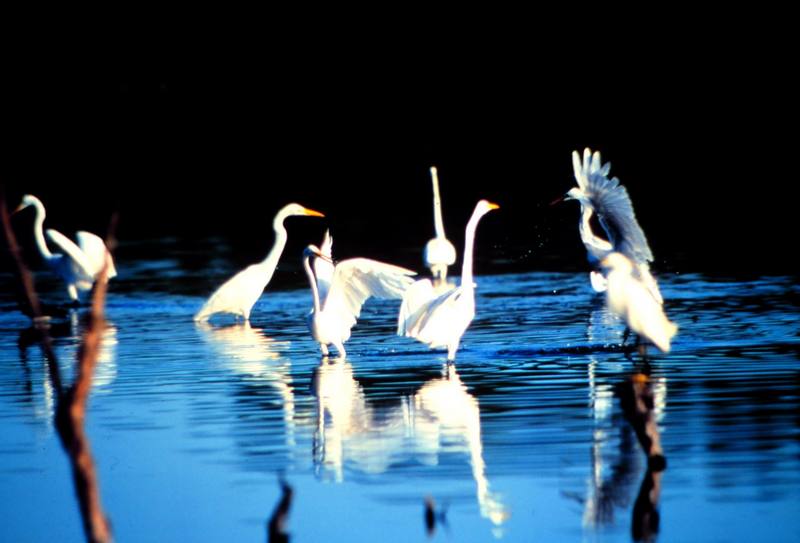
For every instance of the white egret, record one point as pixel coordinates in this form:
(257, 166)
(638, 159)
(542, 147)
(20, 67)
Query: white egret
(629, 297)
(353, 281)
(238, 294)
(441, 320)
(606, 197)
(79, 265)
(439, 252)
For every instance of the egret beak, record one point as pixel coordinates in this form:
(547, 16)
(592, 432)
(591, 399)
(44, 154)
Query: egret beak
(560, 199)
(20, 207)
(312, 213)
(493, 206)
(314, 251)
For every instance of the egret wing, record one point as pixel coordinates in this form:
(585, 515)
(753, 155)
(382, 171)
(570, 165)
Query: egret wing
(96, 252)
(323, 269)
(356, 279)
(435, 321)
(82, 266)
(414, 299)
(613, 206)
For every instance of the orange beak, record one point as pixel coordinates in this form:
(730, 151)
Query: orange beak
(493, 206)
(312, 213)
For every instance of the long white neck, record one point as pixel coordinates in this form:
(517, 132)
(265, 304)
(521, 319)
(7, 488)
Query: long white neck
(594, 244)
(313, 281)
(438, 224)
(38, 232)
(271, 261)
(469, 242)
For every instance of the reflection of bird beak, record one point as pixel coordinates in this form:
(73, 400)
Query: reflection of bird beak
(493, 206)
(312, 213)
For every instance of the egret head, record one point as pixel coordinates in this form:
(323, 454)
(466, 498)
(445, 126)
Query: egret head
(485, 206)
(27, 200)
(292, 210)
(617, 262)
(575, 193)
(314, 251)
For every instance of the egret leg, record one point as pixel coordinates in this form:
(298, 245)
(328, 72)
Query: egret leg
(625, 335)
(451, 352)
(340, 348)
(73, 293)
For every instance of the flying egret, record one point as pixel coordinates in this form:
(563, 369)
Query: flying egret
(79, 265)
(441, 320)
(352, 282)
(439, 252)
(238, 294)
(598, 194)
(629, 297)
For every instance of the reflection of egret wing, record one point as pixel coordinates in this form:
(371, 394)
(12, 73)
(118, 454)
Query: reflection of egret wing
(323, 270)
(81, 265)
(96, 253)
(437, 321)
(356, 279)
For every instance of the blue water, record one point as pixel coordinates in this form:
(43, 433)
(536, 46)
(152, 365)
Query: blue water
(522, 440)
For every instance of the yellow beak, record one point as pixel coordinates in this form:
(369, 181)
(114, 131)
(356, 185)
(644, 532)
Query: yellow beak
(312, 213)
(493, 206)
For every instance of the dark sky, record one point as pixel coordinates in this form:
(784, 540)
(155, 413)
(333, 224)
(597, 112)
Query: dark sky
(194, 152)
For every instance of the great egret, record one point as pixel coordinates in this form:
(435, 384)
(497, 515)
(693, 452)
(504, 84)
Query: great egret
(79, 265)
(439, 252)
(629, 297)
(353, 281)
(441, 320)
(606, 197)
(238, 294)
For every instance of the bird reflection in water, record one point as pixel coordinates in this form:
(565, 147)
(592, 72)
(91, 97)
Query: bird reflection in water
(105, 369)
(613, 475)
(246, 351)
(441, 415)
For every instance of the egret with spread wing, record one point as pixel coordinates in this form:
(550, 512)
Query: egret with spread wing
(439, 252)
(78, 265)
(239, 293)
(352, 282)
(629, 297)
(610, 201)
(441, 320)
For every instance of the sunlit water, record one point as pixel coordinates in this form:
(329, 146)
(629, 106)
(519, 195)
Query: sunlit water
(522, 440)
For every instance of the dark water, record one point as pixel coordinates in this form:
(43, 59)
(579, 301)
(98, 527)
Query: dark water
(523, 439)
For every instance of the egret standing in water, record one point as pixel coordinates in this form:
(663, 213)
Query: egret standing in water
(239, 293)
(441, 320)
(79, 265)
(338, 300)
(629, 297)
(439, 252)
(610, 201)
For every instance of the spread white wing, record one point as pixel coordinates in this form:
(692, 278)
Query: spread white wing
(96, 253)
(357, 279)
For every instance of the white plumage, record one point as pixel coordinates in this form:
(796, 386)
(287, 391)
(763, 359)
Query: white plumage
(239, 293)
(629, 297)
(439, 320)
(439, 253)
(78, 265)
(353, 281)
(612, 204)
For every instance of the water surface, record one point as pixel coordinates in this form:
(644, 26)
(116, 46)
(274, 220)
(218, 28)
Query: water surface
(522, 439)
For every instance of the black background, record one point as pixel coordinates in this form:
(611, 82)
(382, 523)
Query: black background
(189, 148)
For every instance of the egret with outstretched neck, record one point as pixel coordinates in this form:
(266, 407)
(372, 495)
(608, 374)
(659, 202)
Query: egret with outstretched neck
(439, 252)
(440, 321)
(352, 282)
(79, 265)
(239, 293)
